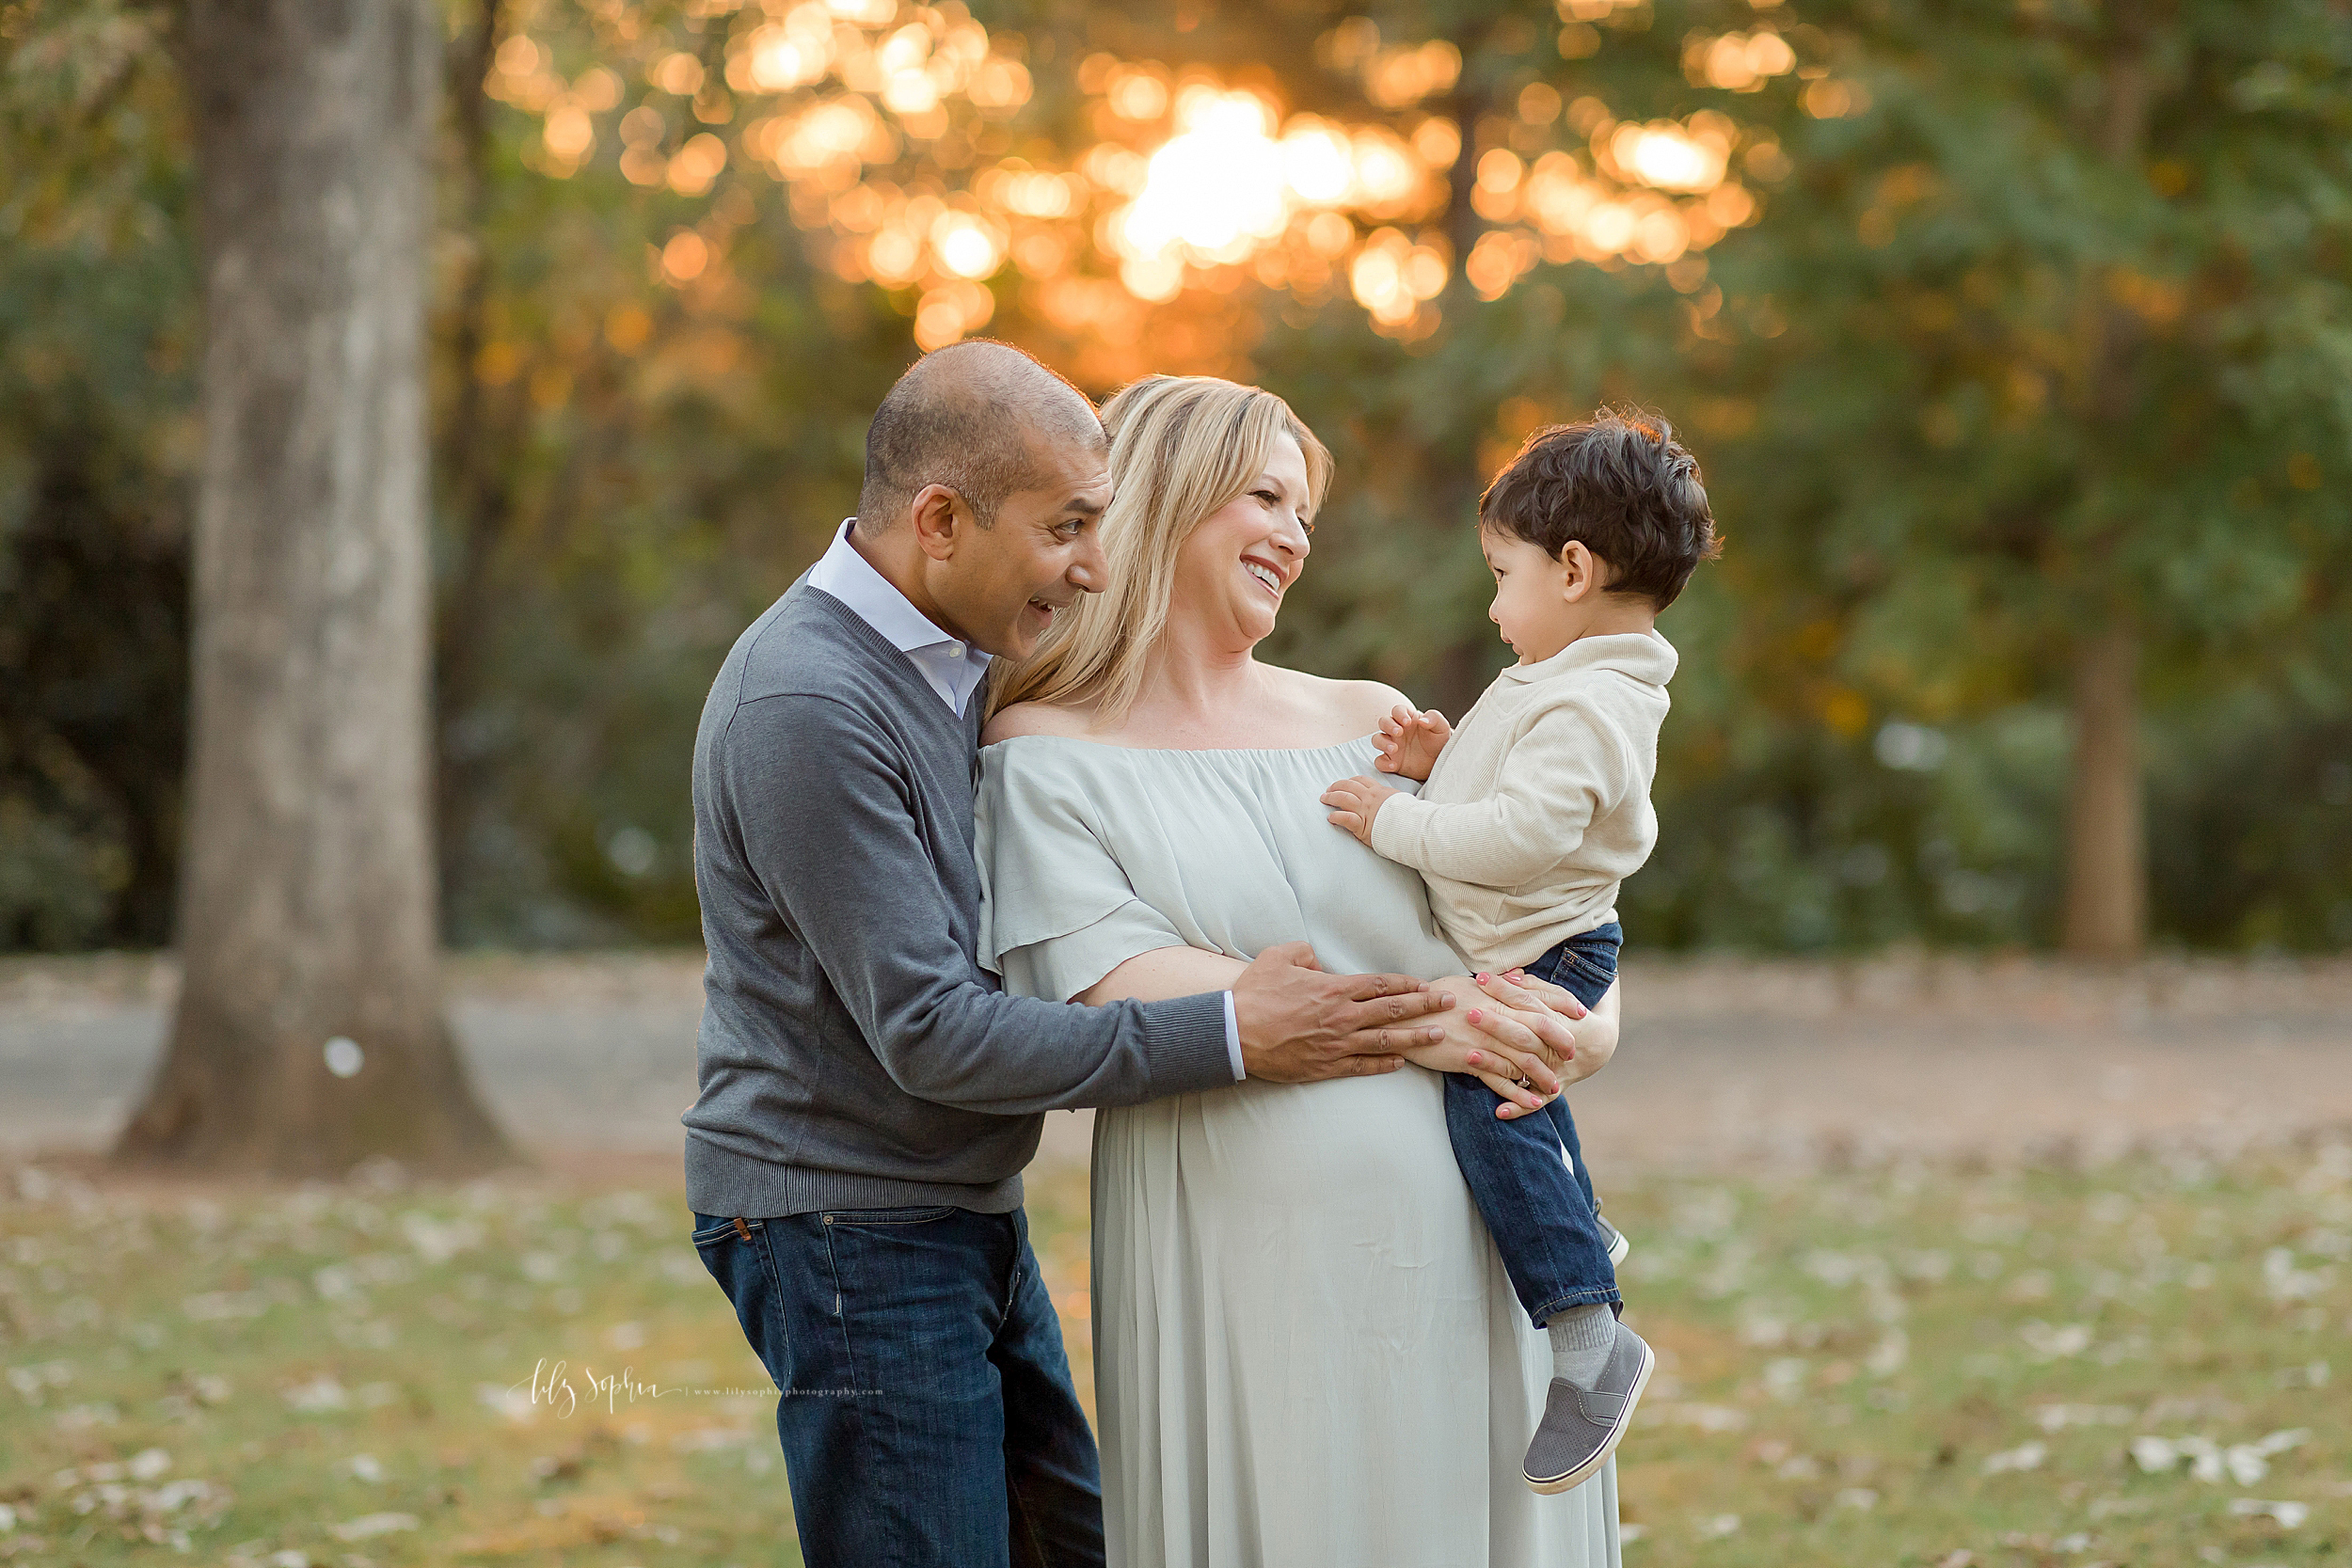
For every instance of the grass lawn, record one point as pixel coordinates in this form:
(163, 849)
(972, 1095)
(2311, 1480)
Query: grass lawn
(2147, 1363)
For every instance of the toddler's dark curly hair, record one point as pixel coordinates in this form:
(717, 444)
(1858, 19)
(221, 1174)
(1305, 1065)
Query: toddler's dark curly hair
(1620, 484)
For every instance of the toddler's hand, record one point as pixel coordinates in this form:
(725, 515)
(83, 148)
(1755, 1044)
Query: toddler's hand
(1410, 741)
(1355, 802)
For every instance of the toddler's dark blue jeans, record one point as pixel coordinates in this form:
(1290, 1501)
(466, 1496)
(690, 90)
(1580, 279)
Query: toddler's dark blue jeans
(1539, 1206)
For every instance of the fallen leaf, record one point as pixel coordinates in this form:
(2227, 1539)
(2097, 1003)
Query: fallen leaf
(370, 1525)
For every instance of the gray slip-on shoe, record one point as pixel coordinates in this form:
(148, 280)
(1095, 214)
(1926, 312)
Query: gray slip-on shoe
(1619, 1245)
(1581, 1426)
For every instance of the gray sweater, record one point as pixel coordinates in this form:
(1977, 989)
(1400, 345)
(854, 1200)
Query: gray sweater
(852, 1052)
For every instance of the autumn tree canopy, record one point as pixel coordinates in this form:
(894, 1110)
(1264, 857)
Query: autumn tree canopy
(1993, 325)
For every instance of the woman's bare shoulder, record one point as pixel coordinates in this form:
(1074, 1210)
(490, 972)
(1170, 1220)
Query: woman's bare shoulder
(1354, 707)
(1034, 718)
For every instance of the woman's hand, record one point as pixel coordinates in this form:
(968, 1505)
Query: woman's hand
(1532, 1025)
(1595, 1031)
(1516, 1050)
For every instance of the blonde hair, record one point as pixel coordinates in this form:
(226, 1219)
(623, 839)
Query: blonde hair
(1181, 447)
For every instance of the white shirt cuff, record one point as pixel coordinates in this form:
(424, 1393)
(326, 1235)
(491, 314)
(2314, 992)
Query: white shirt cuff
(1232, 1038)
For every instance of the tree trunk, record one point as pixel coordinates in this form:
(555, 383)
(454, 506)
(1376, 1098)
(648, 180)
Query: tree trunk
(2106, 872)
(308, 887)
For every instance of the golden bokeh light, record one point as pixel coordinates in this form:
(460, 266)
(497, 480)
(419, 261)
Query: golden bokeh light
(1214, 189)
(1738, 62)
(1392, 278)
(570, 134)
(697, 164)
(1829, 99)
(950, 312)
(597, 89)
(887, 125)
(1319, 163)
(1230, 188)
(966, 246)
(1670, 156)
(679, 75)
(686, 255)
(1398, 76)
(1138, 93)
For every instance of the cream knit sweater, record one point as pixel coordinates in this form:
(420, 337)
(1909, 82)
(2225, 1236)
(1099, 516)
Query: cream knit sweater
(1539, 806)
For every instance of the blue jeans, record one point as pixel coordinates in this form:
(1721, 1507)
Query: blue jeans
(1541, 1215)
(927, 1417)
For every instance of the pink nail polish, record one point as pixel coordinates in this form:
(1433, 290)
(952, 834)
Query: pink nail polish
(1473, 1015)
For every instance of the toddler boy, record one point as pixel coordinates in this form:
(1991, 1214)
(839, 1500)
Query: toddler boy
(1532, 811)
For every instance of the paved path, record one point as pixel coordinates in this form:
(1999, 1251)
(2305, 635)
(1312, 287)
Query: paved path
(1723, 1062)
(1726, 1063)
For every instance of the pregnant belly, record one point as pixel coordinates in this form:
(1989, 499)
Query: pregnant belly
(1336, 1203)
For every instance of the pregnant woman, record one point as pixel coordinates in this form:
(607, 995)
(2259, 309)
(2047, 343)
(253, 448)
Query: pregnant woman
(1305, 1350)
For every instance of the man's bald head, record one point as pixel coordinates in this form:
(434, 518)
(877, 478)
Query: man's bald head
(975, 417)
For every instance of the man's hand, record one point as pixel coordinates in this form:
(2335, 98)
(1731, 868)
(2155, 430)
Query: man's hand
(1410, 741)
(1355, 802)
(1300, 1024)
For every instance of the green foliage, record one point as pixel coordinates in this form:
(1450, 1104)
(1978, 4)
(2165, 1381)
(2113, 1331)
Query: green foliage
(1988, 373)
(641, 504)
(97, 440)
(2050, 360)
(1984, 372)
(2025, 372)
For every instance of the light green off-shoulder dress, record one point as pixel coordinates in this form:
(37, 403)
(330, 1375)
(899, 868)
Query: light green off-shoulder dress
(1306, 1351)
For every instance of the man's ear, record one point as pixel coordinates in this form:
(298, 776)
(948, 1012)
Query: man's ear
(942, 521)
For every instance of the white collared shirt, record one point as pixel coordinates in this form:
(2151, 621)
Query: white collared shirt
(948, 665)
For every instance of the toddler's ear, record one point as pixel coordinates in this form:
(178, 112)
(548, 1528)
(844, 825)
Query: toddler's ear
(1582, 572)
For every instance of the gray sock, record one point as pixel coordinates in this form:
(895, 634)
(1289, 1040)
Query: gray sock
(1580, 1341)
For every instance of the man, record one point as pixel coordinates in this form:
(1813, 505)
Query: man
(868, 1096)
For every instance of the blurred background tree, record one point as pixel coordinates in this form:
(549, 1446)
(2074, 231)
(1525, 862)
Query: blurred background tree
(307, 1034)
(2020, 427)
(2039, 361)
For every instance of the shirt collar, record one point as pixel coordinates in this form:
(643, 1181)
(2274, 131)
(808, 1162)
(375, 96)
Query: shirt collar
(1646, 656)
(851, 578)
(953, 666)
